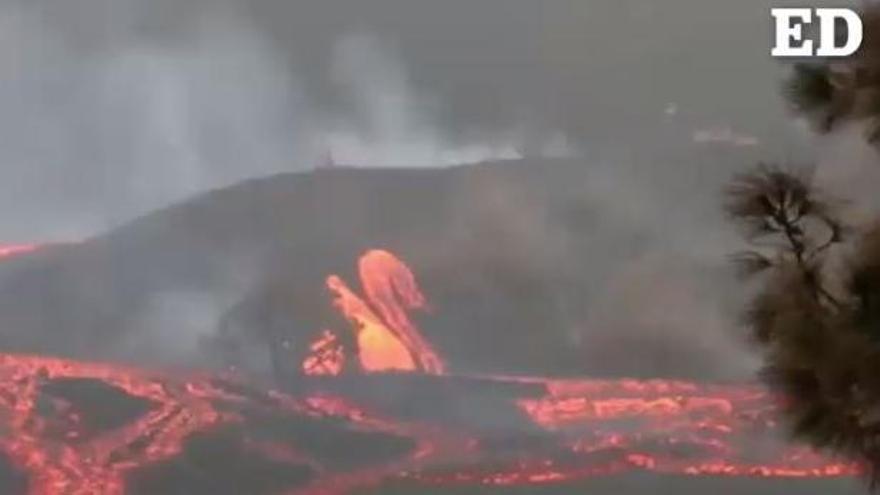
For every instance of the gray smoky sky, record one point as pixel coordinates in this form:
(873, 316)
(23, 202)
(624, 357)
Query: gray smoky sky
(111, 108)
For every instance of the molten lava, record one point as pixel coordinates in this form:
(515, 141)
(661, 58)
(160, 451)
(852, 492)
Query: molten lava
(387, 339)
(326, 357)
(64, 465)
(387, 280)
(379, 349)
(570, 429)
(8, 250)
(597, 428)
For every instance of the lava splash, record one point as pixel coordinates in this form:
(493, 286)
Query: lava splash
(387, 339)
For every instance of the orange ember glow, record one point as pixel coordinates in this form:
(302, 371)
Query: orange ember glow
(87, 466)
(387, 339)
(8, 250)
(326, 358)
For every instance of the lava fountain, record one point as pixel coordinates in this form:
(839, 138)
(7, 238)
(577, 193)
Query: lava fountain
(387, 339)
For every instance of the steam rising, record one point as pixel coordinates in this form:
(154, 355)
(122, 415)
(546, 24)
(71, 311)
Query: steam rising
(394, 124)
(108, 119)
(112, 109)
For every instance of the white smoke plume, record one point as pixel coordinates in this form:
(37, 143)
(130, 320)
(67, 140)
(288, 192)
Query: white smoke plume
(112, 109)
(108, 120)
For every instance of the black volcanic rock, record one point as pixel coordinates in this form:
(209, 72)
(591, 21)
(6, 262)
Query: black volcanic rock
(635, 484)
(215, 463)
(12, 480)
(99, 406)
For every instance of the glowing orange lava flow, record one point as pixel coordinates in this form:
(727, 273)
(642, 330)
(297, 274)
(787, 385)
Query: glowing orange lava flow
(593, 428)
(74, 463)
(53, 442)
(326, 357)
(559, 431)
(379, 349)
(386, 280)
(387, 339)
(8, 250)
(666, 418)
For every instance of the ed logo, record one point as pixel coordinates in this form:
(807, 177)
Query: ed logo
(840, 32)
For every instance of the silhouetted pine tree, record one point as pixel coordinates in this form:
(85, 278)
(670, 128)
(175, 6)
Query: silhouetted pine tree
(816, 316)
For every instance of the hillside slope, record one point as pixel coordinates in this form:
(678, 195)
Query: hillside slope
(516, 258)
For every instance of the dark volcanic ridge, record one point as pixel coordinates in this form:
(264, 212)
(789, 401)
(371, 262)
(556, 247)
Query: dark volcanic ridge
(516, 259)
